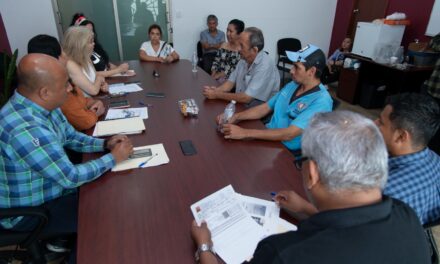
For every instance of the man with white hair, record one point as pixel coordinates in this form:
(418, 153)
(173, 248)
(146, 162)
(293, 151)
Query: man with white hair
(348, 220)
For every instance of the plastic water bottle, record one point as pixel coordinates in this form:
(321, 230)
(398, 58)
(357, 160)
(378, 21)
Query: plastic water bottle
(194, 62)
(229, 112)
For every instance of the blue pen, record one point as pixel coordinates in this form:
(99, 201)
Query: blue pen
(147, 160)
(273, 193)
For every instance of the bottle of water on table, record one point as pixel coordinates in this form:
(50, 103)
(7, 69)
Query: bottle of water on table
(227, 114)
(194, 62)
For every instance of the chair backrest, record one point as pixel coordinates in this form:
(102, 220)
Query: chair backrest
(290, 44)
(199, 50)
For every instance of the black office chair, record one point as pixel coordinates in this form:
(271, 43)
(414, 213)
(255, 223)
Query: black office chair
(25, 240)
(199, 54)
(431, 240)
(289, 44)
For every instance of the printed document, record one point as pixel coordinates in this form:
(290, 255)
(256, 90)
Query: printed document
(134, 125)
(234, 233)
(157, 156)
(114, 113)
(120, 88)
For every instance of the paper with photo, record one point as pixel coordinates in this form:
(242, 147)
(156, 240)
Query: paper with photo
(114, 113)
(119, 88)
(234, 233)
(158, 157)
(265, 213)
(134, 125)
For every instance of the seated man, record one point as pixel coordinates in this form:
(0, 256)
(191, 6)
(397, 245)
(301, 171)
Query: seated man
(211, 40)
(407, 123)
(255, 77)
(81, 112)
(34, 169)
(292, 107)
(351, 221)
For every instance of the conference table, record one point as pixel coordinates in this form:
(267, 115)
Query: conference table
(143, 215)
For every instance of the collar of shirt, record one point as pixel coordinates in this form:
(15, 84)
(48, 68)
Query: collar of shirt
(344, 218)
(405, 159)
(256, 61)
(20, 99)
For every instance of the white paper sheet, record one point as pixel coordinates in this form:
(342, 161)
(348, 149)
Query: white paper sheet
(159, 157)
(264, 213)
(114, 113)
(234, 233)
(119, 88)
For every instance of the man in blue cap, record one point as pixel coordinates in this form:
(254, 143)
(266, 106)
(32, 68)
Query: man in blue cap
(292, 107)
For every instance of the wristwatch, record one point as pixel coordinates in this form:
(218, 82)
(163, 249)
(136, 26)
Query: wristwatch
(203, 248)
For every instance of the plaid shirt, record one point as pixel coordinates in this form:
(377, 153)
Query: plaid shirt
(415, 179)
(34, 168)
(433, 83)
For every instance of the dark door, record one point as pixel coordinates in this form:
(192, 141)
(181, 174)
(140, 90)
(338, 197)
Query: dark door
(366, 11)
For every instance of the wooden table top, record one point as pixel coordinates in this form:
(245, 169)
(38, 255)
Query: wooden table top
(143, 215)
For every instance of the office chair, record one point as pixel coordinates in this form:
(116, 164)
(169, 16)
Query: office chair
(289, 44)
(431, 240)
(199, 54)
(28, 240)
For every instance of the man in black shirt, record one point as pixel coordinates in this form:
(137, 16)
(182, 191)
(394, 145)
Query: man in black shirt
(344, 169)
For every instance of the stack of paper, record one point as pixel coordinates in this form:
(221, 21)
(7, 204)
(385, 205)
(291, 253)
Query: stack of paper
(120, 88)
(157, 157)
(113, 113)
(237, 222)
(134, 125)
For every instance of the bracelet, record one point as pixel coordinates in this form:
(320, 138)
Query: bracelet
(105, 144)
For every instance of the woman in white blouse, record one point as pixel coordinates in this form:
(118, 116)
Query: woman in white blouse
(156, 49)
(78, 45)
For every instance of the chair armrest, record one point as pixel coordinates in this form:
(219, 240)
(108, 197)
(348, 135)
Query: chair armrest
(39, 212)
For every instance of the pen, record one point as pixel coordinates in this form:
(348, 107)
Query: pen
(147, 160)
(273, 193)
(141, 103)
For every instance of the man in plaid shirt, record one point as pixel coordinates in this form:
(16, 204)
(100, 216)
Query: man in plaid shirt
(407, 123)
(34, 169)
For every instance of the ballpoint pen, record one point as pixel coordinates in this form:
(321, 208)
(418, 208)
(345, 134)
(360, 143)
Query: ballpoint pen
(147, 160)
(136, 82)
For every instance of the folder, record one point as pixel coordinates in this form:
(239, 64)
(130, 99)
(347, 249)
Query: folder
(134, 125)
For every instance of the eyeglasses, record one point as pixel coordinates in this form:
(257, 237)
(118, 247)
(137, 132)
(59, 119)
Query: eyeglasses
(299, 162)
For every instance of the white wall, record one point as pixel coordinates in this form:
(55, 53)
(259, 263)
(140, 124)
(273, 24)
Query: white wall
(24, 19)
(311, 21)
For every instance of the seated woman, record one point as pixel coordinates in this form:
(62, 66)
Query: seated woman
(228, 55)
(156, 49)
(78, 46)
(335, 62)
(99, 57)
(82, 113)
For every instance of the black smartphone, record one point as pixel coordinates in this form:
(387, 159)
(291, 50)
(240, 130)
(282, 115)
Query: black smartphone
(119, 104)
(187, 147)
(151, 94)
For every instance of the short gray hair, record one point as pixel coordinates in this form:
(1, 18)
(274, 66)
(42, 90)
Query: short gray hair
(349, 150)
(211, 17)
(256, 38)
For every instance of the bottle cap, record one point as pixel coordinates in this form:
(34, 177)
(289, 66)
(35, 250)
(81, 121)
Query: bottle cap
(233, 101)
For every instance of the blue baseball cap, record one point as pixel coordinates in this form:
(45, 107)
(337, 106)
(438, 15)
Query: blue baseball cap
(310, 56)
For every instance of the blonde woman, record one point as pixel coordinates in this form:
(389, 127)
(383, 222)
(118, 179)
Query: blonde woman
(78, 45)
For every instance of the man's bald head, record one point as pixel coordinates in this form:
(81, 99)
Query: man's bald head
(43, 80)
(38, 70)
